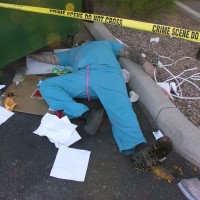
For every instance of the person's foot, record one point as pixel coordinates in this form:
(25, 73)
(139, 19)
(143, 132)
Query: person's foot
(148, 156)
(93, 120)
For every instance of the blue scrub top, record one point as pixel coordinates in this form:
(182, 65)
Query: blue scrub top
(95, 53)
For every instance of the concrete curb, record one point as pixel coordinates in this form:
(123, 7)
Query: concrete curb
(193, 14)
(162, 112)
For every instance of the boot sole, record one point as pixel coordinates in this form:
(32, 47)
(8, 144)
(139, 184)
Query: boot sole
(151, 155)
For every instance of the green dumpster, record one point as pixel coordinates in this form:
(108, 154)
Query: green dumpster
(24, 32)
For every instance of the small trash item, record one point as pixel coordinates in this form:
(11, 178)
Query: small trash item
(157, 134)
(163, 173)
(19, 75)
(173, 88)
(165, 86)
(195, 168)
(143, 55)
(126, 75)
(9, 103)
(178, 170)
(37, 94)
(133, 96)
(166, 89)
(39, 83)
(190, 188)
(156, 39)
(160, 65)
(60, 71)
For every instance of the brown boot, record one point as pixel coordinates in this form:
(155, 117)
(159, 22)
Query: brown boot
(149, 155)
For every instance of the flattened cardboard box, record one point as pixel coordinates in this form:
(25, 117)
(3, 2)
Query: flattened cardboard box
(26, 102)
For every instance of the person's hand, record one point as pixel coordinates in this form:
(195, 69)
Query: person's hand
(50, 59)
(149, 69)
(134, 55)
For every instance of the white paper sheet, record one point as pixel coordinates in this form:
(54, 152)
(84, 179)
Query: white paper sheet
(74, 137)
(41, 129)
(70, 164)
(4, 114)
(59, 130)
(65, 139)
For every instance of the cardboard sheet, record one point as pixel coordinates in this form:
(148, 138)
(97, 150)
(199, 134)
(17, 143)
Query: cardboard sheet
(24, 96)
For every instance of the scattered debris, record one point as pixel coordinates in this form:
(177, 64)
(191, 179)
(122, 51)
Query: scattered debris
(195, 168)
(19, 75)
(166, 89)
(133, 96)
(37, 94)
(163, 173)
(158, 134)
(156, 39)
(179, 79)
(126, 75)
(9, 102)
(178, 170)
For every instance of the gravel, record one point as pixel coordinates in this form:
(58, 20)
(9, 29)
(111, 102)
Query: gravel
(170, 47)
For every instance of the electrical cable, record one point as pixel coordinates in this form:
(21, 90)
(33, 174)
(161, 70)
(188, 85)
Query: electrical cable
(194, 77)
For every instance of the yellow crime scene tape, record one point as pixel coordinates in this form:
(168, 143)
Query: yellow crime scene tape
(150, 27)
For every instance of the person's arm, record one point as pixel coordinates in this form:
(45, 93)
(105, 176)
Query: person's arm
(50, 59)
(132, 54)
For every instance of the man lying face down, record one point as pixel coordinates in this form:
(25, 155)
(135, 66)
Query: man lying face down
(97, 75)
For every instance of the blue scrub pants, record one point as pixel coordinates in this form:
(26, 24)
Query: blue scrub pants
(109, 88)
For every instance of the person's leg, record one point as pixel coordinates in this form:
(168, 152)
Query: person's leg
(59, 92)
(111, 90)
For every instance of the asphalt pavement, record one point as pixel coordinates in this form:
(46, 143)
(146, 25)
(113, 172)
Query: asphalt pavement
(26, 161)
